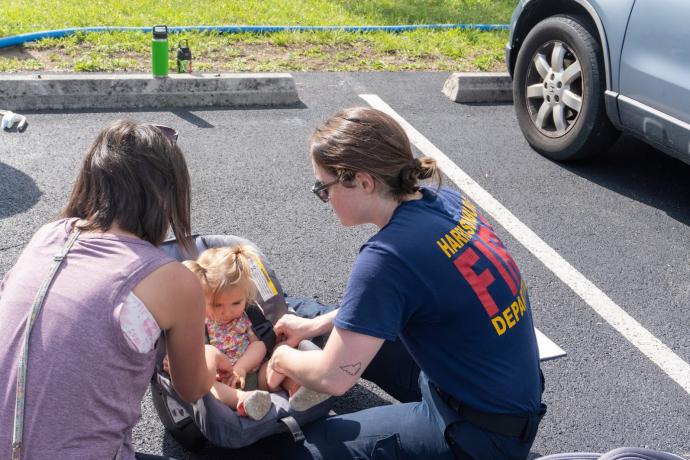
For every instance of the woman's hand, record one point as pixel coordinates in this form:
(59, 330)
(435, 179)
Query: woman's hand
(166, 364)
(224, 376)
(239, 376)
(273, 377)
(292, 329)
(221, 364)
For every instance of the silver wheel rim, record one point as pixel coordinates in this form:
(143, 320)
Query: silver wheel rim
(553, 89)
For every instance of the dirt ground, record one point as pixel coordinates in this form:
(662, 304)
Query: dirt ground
(260, 57)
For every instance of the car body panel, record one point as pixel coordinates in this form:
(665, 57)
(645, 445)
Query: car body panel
(655, 127)
(655, 74)
(655, 63)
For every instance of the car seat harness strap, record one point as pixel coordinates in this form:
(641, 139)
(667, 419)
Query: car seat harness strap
(262, 327)
(294, 428)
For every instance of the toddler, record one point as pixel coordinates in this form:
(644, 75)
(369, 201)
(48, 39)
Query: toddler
(225, 275)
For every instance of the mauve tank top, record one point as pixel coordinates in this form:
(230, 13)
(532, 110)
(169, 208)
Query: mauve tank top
(84, 383)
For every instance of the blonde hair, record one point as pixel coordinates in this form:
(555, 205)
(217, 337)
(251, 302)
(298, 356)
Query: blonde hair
(219, 269)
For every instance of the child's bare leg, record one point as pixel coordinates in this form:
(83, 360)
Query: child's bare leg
(275, 382)
(252, 404)
(226, 394)
(290, 386)
(302, 398)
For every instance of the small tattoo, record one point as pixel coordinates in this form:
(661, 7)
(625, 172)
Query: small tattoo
(352, 369)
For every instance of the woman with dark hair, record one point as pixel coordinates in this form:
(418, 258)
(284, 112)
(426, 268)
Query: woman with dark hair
(77, 362)
(437, 278)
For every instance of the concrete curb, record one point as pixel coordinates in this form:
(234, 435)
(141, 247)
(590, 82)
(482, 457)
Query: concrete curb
(133, 91)
(479, 87)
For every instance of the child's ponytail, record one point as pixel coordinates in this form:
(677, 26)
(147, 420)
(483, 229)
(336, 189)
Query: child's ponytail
(243, 256)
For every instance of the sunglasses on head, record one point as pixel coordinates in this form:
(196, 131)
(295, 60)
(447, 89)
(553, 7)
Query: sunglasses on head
(321, 190)
(170, 133)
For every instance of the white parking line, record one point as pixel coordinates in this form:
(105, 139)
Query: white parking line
(626, 325)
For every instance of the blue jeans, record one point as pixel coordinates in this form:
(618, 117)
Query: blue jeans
(398, 431)
(427, 429)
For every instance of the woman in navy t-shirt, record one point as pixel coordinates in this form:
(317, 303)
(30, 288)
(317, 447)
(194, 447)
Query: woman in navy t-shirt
(438, 279)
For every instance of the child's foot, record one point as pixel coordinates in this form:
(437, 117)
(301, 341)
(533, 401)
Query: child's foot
(256, 405)
(304, 398)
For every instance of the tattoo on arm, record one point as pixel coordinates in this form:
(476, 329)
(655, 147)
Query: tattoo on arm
(352, 369)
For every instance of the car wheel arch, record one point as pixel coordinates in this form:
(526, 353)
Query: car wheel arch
(536, 11)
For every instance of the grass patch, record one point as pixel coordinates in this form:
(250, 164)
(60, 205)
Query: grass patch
(444, 50)
(21, 16)
(94, 62)
(17, 65)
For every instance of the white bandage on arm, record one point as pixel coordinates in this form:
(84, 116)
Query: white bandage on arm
(138, 325)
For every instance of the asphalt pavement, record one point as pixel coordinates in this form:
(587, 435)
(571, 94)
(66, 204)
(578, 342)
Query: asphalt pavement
(622, 220)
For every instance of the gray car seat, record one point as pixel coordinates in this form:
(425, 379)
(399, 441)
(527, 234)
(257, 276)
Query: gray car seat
(209, 419)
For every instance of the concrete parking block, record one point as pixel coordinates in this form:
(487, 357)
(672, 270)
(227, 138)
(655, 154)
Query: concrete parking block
(132, 91)
(479, 87)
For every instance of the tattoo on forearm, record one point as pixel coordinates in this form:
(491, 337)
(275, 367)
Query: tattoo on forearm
(352, 369)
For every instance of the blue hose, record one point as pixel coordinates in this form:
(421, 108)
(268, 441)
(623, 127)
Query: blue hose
(34, 36)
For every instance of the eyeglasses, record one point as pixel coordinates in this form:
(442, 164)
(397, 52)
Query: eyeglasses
(170, 133)
(321, 190)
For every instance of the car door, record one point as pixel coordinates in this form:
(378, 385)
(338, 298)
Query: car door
(654, 96)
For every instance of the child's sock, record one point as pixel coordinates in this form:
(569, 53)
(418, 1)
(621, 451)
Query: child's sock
(304, 399)
(256, 405)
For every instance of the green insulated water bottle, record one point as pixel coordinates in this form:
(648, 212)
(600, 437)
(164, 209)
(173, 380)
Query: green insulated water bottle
(159, 51)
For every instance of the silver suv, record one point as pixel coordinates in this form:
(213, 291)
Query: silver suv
(584, 70)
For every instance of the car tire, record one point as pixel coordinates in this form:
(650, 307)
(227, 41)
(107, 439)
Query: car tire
(558, 90)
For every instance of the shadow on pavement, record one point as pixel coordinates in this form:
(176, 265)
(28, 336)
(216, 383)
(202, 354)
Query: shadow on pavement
(642, 173)
(193, 119)
(18, 192)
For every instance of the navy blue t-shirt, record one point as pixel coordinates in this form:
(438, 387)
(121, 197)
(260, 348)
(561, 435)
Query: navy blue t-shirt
(438, 277)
